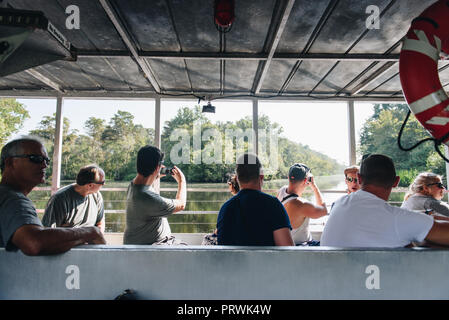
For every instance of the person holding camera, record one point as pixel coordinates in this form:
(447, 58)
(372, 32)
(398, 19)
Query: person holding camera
(146, 210)
(299, 210)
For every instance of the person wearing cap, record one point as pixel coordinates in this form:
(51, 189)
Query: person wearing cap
(365, 219)
(351, 180)
(299, 210)
(79, 204)
(252, 217)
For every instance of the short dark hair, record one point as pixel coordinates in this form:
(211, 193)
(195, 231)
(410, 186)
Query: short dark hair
(89, 174)
(248, 168)
(15, 147)
(148, 159)
(378, 170)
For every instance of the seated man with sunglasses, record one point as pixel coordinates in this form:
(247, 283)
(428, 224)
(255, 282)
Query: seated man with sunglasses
(79, 204)
(23, 163)
(352, 182)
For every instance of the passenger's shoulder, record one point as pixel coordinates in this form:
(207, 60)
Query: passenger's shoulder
(13, 198)
(97, 196)
(228, 205)
(271, 200)
(402, 211)
(61, 195)
(142, 190)
(62, 192)
(15, 201)
(342, 199)
(266, 196)
(7, 194)
(231, 200)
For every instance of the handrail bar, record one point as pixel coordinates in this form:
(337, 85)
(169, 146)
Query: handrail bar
(400, 189)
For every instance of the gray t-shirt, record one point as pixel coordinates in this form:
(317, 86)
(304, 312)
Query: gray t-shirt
(146, 215)
(16, 210)
(67, 208)
(421, 202)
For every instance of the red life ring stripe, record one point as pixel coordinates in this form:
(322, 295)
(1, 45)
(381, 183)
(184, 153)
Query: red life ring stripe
(426, 39)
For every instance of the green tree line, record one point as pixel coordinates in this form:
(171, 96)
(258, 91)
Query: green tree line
(114, 144)
(280, 158)
(380, 132)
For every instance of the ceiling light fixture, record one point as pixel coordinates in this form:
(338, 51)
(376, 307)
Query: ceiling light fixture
(224, 14)
(208, 108)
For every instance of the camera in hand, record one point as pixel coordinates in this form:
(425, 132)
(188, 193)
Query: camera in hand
(167, 171)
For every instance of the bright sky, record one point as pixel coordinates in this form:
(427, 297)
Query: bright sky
(321, 125)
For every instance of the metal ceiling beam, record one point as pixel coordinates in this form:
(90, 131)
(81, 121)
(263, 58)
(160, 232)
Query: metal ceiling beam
(39, 76)
(337, 56)
(364, 33)
(370, 67)
(279, 29)
(129, 43)
(396, 75)
(242, 56)
(325, 16)
(439, 70)
(172, 18)
(222, 62)
(375, 75)
(231, 95)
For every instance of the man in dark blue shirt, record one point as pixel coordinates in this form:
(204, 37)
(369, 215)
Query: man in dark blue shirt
(253, 218)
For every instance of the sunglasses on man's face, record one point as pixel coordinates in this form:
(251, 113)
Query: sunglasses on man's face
(101, 182)
(34, 158)
(349, 179)
(438, 184)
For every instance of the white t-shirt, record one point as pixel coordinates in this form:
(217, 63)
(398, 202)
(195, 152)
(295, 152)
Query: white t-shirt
(362, 219)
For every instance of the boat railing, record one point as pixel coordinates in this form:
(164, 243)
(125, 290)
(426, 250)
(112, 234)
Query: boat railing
(200, 212)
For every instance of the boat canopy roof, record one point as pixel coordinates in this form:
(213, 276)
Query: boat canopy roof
(320, 49)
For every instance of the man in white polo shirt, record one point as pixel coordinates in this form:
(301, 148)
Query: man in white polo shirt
(365, 219)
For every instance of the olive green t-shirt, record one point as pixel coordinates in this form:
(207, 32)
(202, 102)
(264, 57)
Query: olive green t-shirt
(67, 208)
(146, 215)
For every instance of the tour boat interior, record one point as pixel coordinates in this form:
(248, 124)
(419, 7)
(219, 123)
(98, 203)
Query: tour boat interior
(325, 49)
(320, 50)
